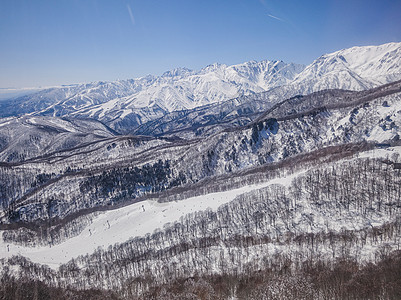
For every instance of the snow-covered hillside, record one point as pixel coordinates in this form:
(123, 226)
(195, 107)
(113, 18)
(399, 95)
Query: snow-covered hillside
(139, 219)
(328, 212)
(22, 138)
(356, 68)
(120, 225)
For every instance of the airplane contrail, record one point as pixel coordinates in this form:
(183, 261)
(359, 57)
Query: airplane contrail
(130, 14)
(277, 18)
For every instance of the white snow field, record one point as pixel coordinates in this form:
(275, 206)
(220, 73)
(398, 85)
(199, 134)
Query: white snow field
(117, 226)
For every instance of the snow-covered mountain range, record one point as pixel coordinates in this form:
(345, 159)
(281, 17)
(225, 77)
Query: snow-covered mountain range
(363, 67)
(251, 181)
(126, 104)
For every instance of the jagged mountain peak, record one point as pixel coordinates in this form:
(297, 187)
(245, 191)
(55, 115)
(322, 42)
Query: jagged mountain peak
(180, 72)
(212, 68)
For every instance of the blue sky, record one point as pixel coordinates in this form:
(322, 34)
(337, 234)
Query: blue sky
(48, 42)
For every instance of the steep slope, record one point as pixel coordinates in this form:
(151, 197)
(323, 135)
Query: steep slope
(208, 119)
(356, 68)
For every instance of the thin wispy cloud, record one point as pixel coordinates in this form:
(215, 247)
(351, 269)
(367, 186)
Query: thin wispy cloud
(274, 17)
(131, 14)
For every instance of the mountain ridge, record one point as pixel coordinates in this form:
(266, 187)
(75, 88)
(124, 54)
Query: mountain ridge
(135, 101)
(126, 105)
